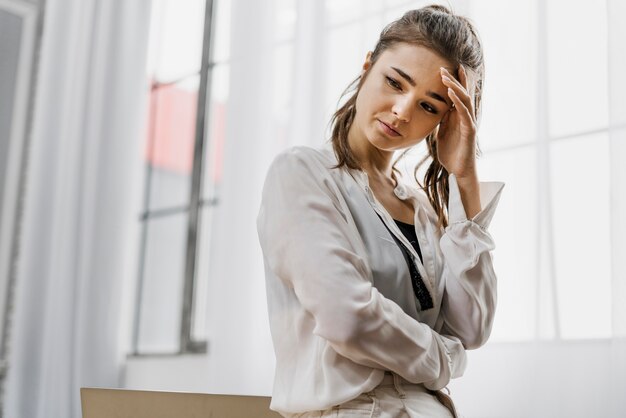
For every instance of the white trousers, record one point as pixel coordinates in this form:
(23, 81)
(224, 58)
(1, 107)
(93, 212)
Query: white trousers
(395, 397)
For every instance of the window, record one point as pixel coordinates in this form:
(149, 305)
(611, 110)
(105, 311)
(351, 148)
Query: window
(188, 73)
(533, 137)
(546, 134)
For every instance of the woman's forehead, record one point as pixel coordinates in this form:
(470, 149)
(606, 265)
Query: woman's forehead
(414, 58)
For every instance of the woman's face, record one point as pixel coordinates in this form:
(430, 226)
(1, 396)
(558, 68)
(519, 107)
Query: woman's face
(402, 98)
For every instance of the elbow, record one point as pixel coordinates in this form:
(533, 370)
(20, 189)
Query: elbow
(341, 330)
(477, 329)
(477, 338)
(473, 344)
(473, 333)
(344, 322)
(348, 326)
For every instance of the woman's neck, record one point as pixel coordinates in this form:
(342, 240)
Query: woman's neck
(375, 162)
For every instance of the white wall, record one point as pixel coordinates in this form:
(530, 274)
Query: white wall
(544, 380)
(574, 379)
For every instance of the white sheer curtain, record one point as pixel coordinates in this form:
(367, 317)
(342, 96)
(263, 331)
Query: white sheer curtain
(237, 302)
(81, 202)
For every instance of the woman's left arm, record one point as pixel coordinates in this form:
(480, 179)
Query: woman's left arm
(469, 299)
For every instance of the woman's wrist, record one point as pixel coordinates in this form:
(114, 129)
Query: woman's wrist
(469, 188)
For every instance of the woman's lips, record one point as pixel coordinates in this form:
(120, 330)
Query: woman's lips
(388, 129)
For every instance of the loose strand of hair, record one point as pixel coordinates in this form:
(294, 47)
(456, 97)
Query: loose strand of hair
(435, 182)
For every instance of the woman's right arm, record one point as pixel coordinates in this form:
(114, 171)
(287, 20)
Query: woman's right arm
(307, 241)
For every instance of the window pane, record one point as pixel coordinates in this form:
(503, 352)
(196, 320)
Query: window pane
(346, 49)
(341, 62)
(406, 4)
(514, 229)
(221, 34)
(203, 275)
(176, 37)
(169, 148)
(397, 11)
(617, 61)
(581, 221)
(216, 131)
(162, 287)
(286, 16)
(283, 97)
(340, 11)
(577, 66)
(509, 99)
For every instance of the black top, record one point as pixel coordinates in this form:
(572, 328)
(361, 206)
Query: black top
(419, 287)
(408, 231)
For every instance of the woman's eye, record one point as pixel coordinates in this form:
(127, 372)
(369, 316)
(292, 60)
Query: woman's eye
(393, 83)
(429, 108)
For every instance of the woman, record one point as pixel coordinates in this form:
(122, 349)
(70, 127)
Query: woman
(375, 286)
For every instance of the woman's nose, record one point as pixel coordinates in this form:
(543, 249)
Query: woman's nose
(402, 108)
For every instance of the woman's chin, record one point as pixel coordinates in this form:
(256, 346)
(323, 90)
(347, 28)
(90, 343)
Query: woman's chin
(384, 143)
(387, 145)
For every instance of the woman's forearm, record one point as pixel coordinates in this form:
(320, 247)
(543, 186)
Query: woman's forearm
(469, 187)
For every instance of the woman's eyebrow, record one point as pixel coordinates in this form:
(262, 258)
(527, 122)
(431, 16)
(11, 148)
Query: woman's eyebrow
(412, 83)
(404, 75)
(437, 97)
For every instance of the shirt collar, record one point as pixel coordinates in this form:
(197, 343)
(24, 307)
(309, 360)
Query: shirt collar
(401, 190)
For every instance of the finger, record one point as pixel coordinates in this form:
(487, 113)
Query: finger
(460, 107)
(463, 76)
(452, 78)
(460, 90)
(469, 84)
(463, 81)
(445, 118)
(443, 125)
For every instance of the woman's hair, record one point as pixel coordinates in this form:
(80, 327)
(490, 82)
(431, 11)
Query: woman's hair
(455, 39)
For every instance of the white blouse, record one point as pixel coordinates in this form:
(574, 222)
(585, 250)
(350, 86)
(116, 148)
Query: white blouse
(324, 245)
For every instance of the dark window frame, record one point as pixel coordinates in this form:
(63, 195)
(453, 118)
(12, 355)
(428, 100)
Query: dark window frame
(187, 344)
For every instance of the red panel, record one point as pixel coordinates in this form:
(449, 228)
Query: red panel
(218, 134)
(172, 126)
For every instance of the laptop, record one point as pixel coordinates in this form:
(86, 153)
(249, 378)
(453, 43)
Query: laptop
(122, 403)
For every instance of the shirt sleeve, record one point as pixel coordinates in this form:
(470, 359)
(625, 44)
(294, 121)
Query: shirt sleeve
(307, 241)
(470, 296)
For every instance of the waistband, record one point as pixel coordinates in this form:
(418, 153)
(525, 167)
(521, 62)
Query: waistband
(392, 379)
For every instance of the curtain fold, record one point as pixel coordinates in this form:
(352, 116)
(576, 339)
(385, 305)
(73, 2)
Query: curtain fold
(306, 119)
(235, 314)
(82, 201)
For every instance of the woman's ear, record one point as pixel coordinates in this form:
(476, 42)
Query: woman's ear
(368, 62)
